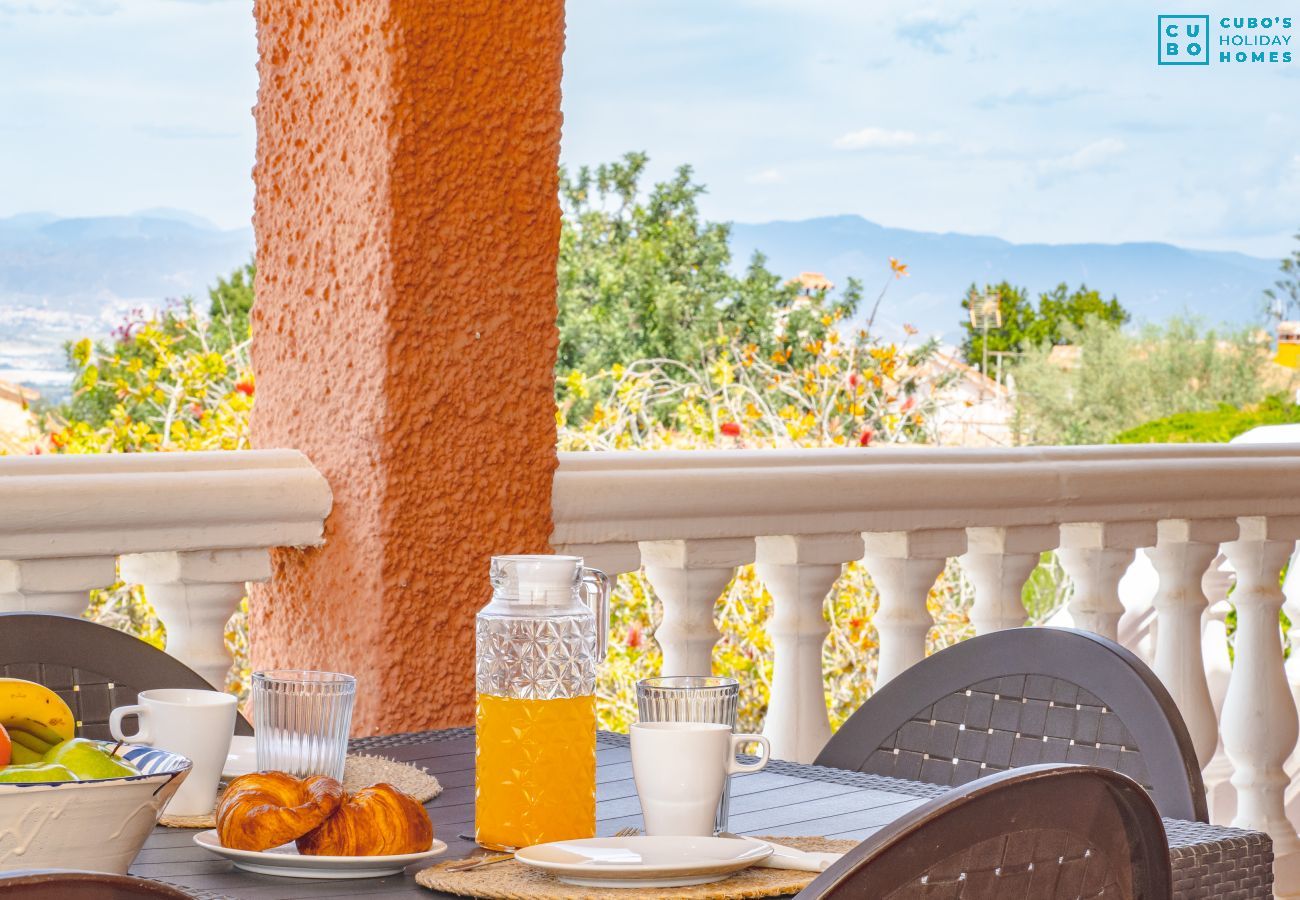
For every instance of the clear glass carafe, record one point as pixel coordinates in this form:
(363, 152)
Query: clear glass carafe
(537, 645)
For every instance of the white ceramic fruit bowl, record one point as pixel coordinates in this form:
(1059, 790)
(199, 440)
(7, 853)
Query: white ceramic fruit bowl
(94, 825)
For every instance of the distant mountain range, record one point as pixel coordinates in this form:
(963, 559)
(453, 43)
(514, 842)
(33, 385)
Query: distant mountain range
(65, 277)
(62, 278)
(1153, 281)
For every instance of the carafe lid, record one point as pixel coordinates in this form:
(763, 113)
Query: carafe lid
(536, 580)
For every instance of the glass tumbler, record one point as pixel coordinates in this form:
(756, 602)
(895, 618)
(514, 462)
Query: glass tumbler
(691, 698)
(301, 721)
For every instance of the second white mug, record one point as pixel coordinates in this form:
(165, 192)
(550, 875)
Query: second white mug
(680, 769)
(194, 723)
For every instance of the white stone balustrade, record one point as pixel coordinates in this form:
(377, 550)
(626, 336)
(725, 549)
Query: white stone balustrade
(688, 577)
(192, 527)
(1259, 715)
(904, 566)
(799, 571)
(1183, 552)
(998, 562)
(696, 515)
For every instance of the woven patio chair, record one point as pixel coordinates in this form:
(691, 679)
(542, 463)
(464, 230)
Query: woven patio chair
(64, 884)
(1020, 697)
(94, 668)
(1036, 833)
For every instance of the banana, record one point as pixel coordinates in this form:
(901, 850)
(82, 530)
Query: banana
(22, 756)
(28, 740)
(35, 709)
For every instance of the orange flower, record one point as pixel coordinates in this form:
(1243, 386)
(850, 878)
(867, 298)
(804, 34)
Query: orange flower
(898, 268)
(730, 429)
(244, 386)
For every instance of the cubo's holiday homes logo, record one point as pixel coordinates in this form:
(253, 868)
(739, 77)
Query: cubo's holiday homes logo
(1186, 40)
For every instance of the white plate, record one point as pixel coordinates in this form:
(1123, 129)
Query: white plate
(644, 861)
(242, 758)
(287, 861)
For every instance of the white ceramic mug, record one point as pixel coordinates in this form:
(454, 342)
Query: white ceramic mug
(194, 723)
(680, 769)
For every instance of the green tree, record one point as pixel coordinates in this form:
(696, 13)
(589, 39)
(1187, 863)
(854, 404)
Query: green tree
(1121, 379)
(1214, 426)
(1024, 326)
(230, 301)
(1285, 292)
(643, 276)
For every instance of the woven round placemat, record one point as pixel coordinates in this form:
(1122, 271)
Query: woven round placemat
(516, 881)
(358, 772)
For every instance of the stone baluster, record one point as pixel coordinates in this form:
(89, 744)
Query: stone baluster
(688, 577)
(998, 562)
(904, 565)
(1183, 552)
(799, 571)
(1095, 555)
(1259, 716)
(1219, 793)
(60, 585)
(194, 594)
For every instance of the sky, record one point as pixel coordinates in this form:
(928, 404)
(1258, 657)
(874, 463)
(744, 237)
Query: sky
(1033, 121)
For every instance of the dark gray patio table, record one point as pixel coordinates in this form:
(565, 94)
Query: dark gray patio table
(784, 799)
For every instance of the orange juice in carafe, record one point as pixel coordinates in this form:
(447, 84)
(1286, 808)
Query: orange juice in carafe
(542, 754)
(537, 646)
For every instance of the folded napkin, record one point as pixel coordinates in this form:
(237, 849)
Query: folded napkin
(784, 857)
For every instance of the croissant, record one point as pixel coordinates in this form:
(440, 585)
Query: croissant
(378, 820)
(267, 809)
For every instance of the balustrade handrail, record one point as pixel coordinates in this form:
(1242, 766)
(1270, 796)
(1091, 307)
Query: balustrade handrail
(114, 504)
(631, 496)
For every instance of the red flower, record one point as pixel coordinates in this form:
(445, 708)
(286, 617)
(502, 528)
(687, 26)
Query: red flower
(730, 429)
(909, 403)
(855, 623)
(853, 379)
(634, 637)
(244, 386)
(196, 411)
(864, 439)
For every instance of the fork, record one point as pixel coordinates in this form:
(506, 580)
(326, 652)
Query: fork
(466, 865)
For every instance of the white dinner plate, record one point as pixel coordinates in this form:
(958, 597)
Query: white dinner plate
(242, 757)
(643, 861)
(287, 861)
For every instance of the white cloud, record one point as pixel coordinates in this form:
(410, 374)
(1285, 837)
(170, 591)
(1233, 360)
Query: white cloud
(1086, 159)
(767, 176)
(928, 29)
(877, 139)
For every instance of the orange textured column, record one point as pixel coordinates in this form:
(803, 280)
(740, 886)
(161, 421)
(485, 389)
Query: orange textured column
(404, 331)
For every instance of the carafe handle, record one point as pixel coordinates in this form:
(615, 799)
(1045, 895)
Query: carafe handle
(596, 590)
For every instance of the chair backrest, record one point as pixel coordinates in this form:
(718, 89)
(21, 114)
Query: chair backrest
(94, 668)
(1036, 833)
(1020, 697)
(61, 884)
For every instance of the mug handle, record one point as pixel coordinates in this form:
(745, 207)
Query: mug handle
(142, 735)
(734, 766)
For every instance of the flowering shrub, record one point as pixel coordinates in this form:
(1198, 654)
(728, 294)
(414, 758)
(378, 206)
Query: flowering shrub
(823, 389)
(171, 380)
(179, 380)
(168, 380)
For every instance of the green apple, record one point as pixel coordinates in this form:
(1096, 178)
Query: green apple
(88, 760)
(35, 772)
